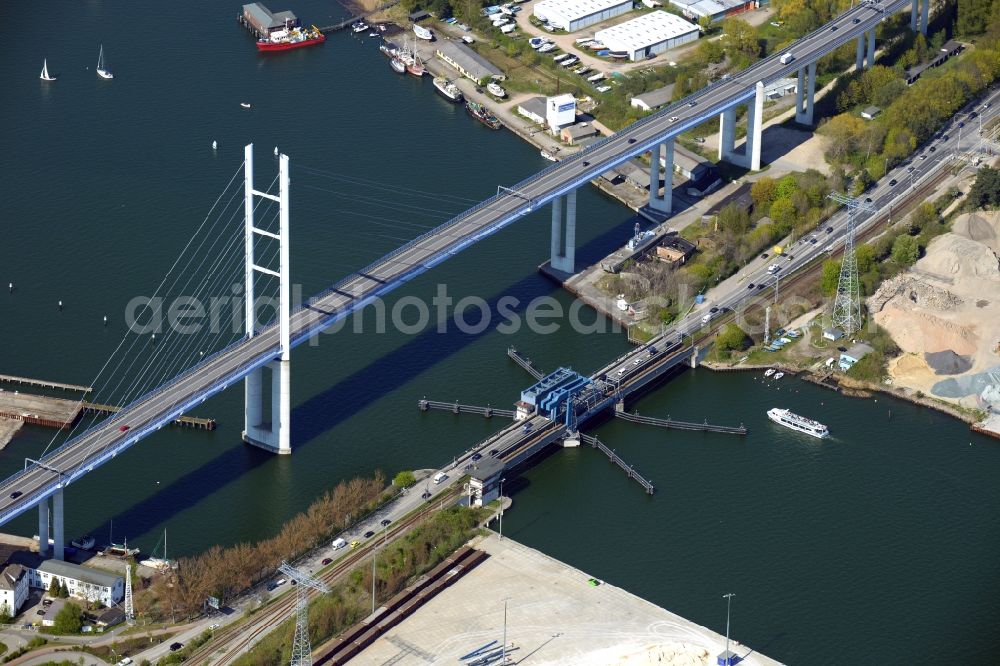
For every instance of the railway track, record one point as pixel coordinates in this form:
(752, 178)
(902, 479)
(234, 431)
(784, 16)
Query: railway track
(232, 641)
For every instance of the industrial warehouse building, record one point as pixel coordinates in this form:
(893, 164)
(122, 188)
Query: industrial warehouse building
(468, 62)
(572, 15)
(648, 35)
(714, 9)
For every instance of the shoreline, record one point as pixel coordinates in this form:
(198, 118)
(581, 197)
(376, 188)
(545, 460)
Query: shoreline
(856, 388)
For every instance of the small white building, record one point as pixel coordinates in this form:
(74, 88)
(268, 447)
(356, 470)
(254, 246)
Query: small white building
(572, 15)
(13, 588)
(534, 109)
(560, 111)
(648, 34)
(654, 99)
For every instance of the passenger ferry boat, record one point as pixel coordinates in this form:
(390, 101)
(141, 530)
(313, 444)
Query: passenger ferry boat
(796, 422)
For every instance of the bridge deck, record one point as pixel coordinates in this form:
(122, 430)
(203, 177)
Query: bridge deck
(212, 375)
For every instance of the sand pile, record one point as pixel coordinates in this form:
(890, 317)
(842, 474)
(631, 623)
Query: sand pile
(664, 654)
(948, 362)
(906, 290)
(958, 258)
(981, 226)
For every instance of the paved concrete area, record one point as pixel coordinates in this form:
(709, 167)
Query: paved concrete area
(554, 616)
(47, 410)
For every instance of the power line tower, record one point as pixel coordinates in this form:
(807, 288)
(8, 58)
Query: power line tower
(129, 608)
(847, 306)
(301, 649)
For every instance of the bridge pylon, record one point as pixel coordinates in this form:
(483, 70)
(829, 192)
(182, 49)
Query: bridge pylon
(275, 435)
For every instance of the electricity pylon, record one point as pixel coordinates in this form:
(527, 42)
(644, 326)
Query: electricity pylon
(301, 649)
(847, 306)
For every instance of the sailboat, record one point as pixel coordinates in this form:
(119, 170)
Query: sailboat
(45, 76)
(102, 70)
(160, 564)
(116, 549)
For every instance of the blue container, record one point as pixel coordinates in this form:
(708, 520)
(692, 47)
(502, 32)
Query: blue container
(699, 299)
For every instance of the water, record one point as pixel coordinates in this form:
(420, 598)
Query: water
(873, 547)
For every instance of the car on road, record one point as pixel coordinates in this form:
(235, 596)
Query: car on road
(214, 626)
(857, 20)
(476, 456)
(631, 140)
(692, 103)
(909, 169)
(369, 534)
(789, 257)
(123, 428)
(764, 256)
(924, 156)
(127, 661)
(961, 124)
(750, 286)
(812, 241)
(355, 543)
(40, 612)
(174, 647)
(761, 286)
(944, 137)
(493, 452)
(714, 309)
(868, 199)
(326, 561)
(829, 230)
(673, 119)
(426, 495)
(16, 494)
(635, 362)
(973, 115)
(833, 28)
(933, 148)
(892, 182)
(842, 349)
(384, 522)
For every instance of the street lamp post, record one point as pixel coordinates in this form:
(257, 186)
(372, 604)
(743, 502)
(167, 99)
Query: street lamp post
(729, 600)
(503, 648)
(501, 511)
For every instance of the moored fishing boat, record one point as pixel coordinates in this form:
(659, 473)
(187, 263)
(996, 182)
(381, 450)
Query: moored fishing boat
(549, 156)
(480, 113)
(447, 89)
(291, 38)
(398, 66)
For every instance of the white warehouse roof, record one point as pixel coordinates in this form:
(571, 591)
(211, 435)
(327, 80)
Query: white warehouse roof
(644, 31)
(573, 10)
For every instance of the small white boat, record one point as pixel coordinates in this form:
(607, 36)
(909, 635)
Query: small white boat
(45, 76)
(769, 372)
(397, 65)
(360, 26)
(215, 145)
(549, 156)
(537, 42)
(494, 89)
(102, 69)
(275, 151)
(779, 375)
(545, 48)
(423, 33)
(245, 105)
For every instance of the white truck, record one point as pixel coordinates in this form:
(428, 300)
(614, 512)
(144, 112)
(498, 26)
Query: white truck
(786, 58)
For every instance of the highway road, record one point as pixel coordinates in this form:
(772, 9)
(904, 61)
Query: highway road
(100, 444)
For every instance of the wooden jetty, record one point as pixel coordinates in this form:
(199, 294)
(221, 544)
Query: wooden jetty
(184, 421)
(28, 381)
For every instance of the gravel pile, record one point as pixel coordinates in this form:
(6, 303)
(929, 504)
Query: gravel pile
(948, 362)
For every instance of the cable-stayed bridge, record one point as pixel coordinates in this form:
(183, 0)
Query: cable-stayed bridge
(174, 395)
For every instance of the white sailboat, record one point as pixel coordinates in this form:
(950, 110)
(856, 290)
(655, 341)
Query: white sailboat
(102, 70)
(160, 564)
(45, 76)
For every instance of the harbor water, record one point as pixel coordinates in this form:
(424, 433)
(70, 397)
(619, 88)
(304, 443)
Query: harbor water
(875, 546)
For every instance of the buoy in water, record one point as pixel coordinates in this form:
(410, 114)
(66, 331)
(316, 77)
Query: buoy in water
(60, 306)
(214, 145)
(105, 320)
(275, 151)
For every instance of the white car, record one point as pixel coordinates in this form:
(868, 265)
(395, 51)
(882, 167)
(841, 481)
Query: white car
(673, 119)
(603, 88)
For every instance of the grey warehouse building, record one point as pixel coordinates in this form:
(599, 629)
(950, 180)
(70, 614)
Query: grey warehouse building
(468, 62)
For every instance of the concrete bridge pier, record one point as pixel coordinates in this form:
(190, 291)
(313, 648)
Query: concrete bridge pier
(871, 48)
(563, 250)
(43, 528)
(750, 158)
(925, 11)
(665, 159)
(805, 95)
(859, 56)
(273, 435)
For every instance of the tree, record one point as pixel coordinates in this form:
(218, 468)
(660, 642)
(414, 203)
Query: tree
(731, 338)
(905, 250)
(864, 254)
(734, 220)
(763, 191)
(63, 592)
(831, 277)
(69, 620)
(5, 615)
(704, 22)
(54, 587)
(985, 191)
(783, 213)
(404, 479)
(741, 41)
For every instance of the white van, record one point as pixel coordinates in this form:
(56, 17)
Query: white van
(787, 58)
(339, 543)
(439, 477)
(707, 318)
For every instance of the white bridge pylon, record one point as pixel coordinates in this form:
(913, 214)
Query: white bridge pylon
(274, 436)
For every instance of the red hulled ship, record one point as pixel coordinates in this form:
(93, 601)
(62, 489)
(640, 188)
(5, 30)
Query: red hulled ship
(294, 38)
